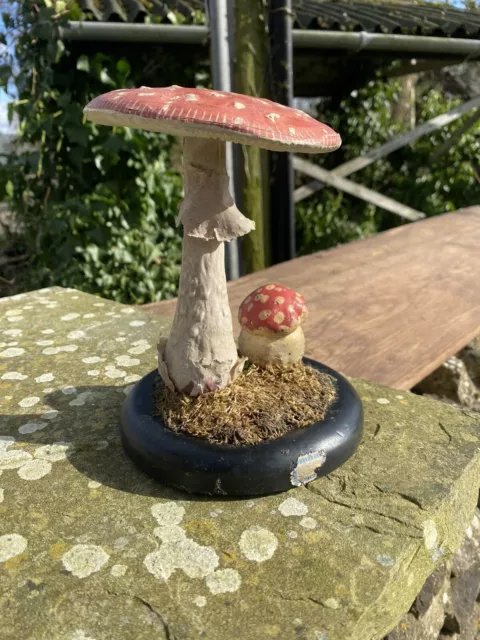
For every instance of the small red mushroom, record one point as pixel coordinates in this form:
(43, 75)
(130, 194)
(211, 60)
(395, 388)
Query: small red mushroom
(270, 318)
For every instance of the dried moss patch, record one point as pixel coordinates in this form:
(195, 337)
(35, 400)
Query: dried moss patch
(262, 404)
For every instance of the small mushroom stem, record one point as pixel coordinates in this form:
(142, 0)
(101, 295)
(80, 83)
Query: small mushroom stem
(264, 349)
(200, 354)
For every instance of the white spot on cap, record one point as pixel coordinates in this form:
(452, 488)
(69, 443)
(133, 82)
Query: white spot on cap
(239, 105)
(147, 93)
(238, 121)
(191, 97)
(291, 130)
(273, 116)
(279, 317)
(263, 315)
(258, 544)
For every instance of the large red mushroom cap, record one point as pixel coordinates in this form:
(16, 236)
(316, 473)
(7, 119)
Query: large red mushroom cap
(204, 113)
(272, 309)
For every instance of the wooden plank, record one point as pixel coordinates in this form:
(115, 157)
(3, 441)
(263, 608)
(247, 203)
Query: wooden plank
(390, 308)
(357, 190)
(347, 168)
(457, 134)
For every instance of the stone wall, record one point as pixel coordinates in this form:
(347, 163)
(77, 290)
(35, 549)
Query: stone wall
(448, 607)
(457, 380)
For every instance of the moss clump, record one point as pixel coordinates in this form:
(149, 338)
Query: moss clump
(262, 404)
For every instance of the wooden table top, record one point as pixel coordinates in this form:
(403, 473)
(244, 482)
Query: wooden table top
(390, 308)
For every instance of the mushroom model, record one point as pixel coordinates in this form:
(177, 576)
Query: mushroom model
(270, 318)
(200, 354)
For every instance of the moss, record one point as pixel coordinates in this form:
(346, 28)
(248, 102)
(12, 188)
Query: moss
(262, 404)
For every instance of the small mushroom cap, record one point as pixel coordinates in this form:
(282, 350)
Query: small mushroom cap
(204, 113)
(272, 309)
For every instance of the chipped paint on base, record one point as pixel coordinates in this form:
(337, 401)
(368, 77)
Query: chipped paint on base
(307, 468)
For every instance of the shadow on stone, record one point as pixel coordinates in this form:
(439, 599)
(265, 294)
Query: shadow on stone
(88, 417)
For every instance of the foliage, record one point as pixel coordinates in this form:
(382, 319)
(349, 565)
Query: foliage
(409, 175)
(95, 206)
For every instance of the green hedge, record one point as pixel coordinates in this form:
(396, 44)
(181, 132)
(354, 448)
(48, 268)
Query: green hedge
(409, 175)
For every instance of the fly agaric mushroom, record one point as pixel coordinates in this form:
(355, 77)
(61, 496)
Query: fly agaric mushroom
(270, 318)
(200, 354)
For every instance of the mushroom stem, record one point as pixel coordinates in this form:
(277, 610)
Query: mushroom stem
(200, 354)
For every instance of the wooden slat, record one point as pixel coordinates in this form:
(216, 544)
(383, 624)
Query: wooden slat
(390, 308)
(456, 135)
(347, 168)
(357, 190)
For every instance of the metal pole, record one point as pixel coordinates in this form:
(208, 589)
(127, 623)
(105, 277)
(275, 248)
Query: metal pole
(282, 206)
(217, 17)
(414, 46)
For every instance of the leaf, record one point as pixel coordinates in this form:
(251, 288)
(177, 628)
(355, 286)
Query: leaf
(60, 50)
(123, 67)
(105, 78)
(83, 64)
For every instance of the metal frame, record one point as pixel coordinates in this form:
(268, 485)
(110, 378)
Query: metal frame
(413, 46)
(336, 177)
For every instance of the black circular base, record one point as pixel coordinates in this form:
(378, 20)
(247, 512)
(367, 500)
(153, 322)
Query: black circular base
(197, 466)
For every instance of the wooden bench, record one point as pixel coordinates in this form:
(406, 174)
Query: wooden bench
(390, 308)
